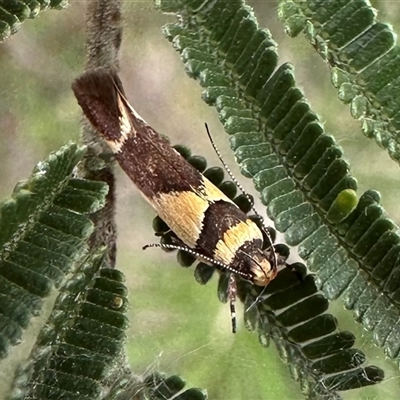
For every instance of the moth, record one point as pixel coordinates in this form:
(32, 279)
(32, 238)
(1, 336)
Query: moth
(208, 224)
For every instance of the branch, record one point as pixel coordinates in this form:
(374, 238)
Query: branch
(104, 33)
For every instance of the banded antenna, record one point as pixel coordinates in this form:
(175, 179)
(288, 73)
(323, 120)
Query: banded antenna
(210, 260)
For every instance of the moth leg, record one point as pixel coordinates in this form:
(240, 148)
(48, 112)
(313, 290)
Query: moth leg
(232, 291)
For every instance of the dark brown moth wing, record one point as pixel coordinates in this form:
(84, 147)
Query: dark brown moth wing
(96, 93)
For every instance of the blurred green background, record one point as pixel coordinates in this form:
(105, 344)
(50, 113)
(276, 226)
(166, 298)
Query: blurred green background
(177, 325)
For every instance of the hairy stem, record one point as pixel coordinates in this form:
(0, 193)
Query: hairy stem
(104, 34)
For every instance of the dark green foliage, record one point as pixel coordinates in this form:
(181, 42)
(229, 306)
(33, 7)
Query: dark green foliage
(161, 387)
(215, 175)
(155, 386)
(304, 332)
(183, 150)
(81, 196)
(228, 188)
(299, 170)
(243, 202)
(82, 339)
(14, 12)
(293, 313)
(10, 23)
(41, 238)
(364, 58)
(203, 273)
(198, 162)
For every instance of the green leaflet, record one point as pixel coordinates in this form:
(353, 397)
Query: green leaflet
(154, 386)
(292, 312)
(364, 57)
(307, 337)
(79, 351)
(77, 348)
(13, 13)
(298, 169)
(42, 234)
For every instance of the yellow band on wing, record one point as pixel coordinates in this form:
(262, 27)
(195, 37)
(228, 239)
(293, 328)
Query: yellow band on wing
(234, 238)
(184, 211)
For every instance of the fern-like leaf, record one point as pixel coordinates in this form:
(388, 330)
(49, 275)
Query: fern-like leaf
(43, 231)
(155, 386)
(79, 346)
(292, 312)
(364, 57)
(79, 351)
(299, 170)
(14, 12)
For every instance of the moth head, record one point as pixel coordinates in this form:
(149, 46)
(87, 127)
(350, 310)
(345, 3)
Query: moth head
(261, 268)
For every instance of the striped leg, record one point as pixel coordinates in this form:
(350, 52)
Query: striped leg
(232, 290)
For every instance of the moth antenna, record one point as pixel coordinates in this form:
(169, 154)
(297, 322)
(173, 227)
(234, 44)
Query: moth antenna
(257, 299)
(198, 255)
(229, 172)
(236, 182)
(254, 302)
